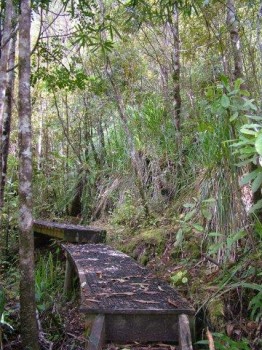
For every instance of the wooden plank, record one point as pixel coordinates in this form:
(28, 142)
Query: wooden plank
(141, 328)
(97, 335)
(70, 233)
(185, 342)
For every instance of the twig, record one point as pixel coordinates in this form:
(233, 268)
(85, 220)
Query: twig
(47, 344)
(210, 340)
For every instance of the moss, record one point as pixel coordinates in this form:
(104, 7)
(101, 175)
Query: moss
(153, 237)
(146, 244)
(192, 248)
(144, 259)
(216, 313)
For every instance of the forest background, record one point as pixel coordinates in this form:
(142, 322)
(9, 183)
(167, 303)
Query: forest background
(146, 121)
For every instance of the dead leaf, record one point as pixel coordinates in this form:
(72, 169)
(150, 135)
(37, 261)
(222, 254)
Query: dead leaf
(172, 302)
(93, 300)
(146, 301)
(230, 328)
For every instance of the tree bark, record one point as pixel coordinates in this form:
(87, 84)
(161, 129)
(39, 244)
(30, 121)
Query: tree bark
(176, 98)
(7, 117)
(29, 331)
(232, 24)
(5, 49)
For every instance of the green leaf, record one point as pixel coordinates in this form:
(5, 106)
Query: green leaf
(254, 117)
(248, 131)
(248, 177)
(256, 184)
(258, 144)
(188, 205)
(214, 234)
(190, 215)
(238, 83)
(248, 105)
(225, 101)
(244, 162)
(207, 214)
(179, 236)
(198, 227)
(234, 117)
(255, 207)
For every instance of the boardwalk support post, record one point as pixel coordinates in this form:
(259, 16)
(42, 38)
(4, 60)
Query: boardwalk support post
(69, 273)
(185, 342)
(97, 335)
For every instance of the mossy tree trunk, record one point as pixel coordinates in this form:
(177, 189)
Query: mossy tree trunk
(29, 331)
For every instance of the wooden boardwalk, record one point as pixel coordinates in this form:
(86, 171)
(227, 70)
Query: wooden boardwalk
(123, 301)
(130, 302)
(69, 233)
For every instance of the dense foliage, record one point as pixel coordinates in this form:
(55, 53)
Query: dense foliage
(147, 120)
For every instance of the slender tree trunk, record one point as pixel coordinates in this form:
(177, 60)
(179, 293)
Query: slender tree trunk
(29, 331)
(7, 116)
(176, 98)
(259, 42)
(5, 44)
(232, 24)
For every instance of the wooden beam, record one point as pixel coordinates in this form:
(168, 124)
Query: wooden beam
(185, 342)
(97, 335)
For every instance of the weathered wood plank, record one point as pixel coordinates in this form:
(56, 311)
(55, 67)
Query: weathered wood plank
(185, 341)
(97, 335)
(137, 305)
(70, 233)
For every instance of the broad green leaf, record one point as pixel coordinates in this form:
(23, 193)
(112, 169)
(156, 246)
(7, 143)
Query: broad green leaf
(225, 101)
(238, 83)
(248, 177)
(258, 144)
(254, 117)
(248, 131)
(214, 234)
(251, 126)
(235, 237)
(190, 215)
(244, 162)
(256, 184)
(248, 150)
(198, 227)
(249, 105)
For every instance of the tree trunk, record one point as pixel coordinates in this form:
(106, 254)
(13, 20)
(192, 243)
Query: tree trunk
(7, 116)
(176, 98)
(5, 49)
(29, 331)
(232, 24)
